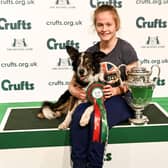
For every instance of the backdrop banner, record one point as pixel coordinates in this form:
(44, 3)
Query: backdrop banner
(35, 67)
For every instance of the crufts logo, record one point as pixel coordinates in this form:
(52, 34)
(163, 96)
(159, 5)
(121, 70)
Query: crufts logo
(141, 22)
(108, 157)
(20, 24)
(52, 44)
(96, 3)
(7, 85)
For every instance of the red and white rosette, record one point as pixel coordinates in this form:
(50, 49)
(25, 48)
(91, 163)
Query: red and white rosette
(95, 96)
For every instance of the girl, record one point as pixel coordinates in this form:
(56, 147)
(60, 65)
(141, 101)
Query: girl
(84, 152)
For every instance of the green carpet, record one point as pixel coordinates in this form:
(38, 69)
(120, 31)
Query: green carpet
(25, 118)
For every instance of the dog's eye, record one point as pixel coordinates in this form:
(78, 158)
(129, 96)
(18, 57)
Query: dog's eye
(89, 65)
(78, 62)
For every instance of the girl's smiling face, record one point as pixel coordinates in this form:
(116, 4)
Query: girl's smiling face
(105, 25)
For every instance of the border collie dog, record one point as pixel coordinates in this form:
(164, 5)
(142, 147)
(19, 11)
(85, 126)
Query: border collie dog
(86, 67)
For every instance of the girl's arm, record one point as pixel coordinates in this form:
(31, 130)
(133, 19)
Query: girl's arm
(76, 90)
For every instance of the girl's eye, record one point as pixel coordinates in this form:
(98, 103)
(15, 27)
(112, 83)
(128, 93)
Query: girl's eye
(108, 24)
(99, 25)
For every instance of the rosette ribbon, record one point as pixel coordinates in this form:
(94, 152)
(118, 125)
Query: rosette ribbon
(95, 96)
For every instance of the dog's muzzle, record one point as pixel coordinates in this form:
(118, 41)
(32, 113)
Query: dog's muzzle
(81, 72)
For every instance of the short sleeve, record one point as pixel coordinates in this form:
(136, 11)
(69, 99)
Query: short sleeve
(129, 54)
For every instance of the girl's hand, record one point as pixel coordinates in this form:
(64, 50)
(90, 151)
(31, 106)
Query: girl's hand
(78, 92)
(81, 94)
(110, 91)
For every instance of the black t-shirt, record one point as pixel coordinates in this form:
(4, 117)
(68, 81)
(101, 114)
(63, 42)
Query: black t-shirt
(122, 53)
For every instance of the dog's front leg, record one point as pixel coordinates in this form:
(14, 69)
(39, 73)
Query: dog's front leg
(86, 116)
(66, 122)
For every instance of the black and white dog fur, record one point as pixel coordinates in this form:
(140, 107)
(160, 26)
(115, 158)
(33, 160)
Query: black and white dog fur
(86, 67)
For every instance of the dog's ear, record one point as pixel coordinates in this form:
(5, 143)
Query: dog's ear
(73, 52)
(98, 56)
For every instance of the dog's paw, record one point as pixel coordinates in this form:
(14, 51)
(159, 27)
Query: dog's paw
(86, 116)
(40, 116)
(84, 119)
(48, 113)
(62, 126)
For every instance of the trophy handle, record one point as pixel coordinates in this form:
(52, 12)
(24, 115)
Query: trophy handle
(123, 65)
(158, 75)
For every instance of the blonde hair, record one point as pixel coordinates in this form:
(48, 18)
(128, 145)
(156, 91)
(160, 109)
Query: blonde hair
(108, 8)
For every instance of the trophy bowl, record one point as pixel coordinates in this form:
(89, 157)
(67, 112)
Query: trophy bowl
(141, 88)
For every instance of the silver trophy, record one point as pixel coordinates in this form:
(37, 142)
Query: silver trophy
(141, 87)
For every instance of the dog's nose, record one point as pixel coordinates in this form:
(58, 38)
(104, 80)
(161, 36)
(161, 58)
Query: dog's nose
(81, 71)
